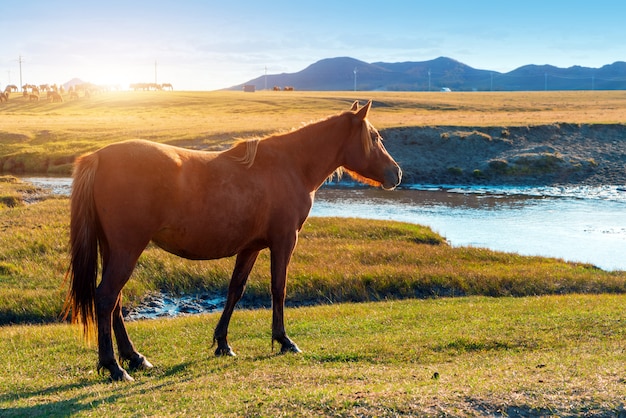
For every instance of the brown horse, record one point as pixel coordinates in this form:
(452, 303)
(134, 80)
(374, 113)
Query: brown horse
(55, 97)
(205, 205)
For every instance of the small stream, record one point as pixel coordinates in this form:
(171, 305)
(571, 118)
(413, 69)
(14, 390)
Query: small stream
(159, 305)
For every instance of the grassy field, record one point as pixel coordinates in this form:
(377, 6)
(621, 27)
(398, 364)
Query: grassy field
(462, 356)
(551, 343)
(475, 356)
(45, 137)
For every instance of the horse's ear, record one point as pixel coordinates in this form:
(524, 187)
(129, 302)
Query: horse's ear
(362, 113)
(355, 106)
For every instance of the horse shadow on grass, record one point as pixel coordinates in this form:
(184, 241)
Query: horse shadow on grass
(70, 406)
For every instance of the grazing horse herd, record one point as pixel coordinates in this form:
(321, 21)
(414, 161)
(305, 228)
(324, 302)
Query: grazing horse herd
(151, 86)
(53, 93)
(286, 88)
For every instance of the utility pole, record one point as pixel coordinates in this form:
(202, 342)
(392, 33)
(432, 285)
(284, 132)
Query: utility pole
(354, 78)
(20, 61)
(266, 77)
(155, 72)
(429, 79)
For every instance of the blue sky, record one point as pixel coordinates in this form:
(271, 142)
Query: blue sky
(207, 45)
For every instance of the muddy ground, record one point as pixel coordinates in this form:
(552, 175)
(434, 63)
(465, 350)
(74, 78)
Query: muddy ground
(530, 155)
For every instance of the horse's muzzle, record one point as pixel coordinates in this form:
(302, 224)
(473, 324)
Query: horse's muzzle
(393, 177)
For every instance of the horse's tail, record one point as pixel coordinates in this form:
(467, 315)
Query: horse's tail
(85, 237)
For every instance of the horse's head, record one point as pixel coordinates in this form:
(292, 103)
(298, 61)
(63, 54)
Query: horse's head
(366, 158)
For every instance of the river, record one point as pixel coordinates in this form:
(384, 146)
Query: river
(583, 224)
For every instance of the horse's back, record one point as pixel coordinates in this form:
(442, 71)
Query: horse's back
(135, 185)
(139, 156)
(192, 203)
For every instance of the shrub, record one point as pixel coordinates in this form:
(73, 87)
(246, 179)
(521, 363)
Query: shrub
(10, 201)
(499, 166)
(455, 171)
(478, 174)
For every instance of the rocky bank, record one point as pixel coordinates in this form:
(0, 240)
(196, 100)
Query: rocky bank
(554, 154)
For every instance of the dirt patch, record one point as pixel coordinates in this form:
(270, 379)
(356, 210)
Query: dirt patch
(535, 155)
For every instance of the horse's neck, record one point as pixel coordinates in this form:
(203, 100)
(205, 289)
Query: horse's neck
(316, 150)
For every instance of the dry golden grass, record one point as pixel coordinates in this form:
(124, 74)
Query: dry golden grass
(46, 137)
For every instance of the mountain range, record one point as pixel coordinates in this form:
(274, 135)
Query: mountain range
(345, 73)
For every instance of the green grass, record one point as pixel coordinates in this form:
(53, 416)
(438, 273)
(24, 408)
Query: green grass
(473, 356)
(336, 260)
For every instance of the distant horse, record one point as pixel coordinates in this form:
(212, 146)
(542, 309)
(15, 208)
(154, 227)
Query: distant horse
(33, 97)
(4, 97)
(205, 205)
(167, 86)
(55, 97)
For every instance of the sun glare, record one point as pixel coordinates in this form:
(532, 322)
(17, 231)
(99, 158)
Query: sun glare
(113, 79)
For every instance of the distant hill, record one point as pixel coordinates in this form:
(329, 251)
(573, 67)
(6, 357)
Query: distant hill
(333, 74)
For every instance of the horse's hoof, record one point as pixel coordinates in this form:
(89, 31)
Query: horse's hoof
(139, 363)
(225, 352)
(121, 376)
(290, 347)
(118, 374)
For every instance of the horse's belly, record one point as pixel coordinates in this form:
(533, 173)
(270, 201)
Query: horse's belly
(210, 245)
(194, 253)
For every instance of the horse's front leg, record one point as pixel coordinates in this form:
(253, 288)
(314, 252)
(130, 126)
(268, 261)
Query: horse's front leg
(280, 257)
(243, 266)
(125, 347)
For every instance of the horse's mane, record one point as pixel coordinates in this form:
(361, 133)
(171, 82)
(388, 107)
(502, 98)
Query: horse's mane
(367, 130)
(252, 145)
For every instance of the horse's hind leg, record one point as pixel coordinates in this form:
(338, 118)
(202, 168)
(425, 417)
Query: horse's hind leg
(125, 347)
(115, 275)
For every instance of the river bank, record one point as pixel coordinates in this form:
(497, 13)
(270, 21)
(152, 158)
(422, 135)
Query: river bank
(556, 154)
(542, 155)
